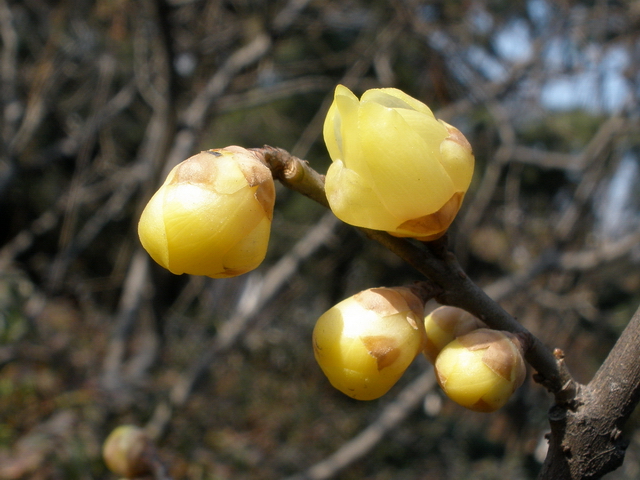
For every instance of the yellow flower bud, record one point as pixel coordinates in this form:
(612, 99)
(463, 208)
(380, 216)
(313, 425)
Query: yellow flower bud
(126, 451)
(482, 369)
(395, 167)
(212, 216)
(366, 342)
(445, 324)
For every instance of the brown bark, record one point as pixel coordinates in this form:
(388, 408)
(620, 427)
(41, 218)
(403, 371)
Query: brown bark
(586, 438)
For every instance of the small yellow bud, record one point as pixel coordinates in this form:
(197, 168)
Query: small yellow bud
(445, 324)
(366, 342)
(395, 167)
(482, 369)
(212, 216)
(126, 451)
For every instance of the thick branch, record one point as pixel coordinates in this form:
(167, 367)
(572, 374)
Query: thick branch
(616, 383)
(586, 442)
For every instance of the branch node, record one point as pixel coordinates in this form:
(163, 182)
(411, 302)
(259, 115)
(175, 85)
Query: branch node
(615, 434)
(569, 394)
(425, 290)
(525, 339)
(557, 414)
(293, 172)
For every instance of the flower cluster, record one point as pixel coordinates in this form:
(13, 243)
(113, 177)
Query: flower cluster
(366, 342)
(395, 168)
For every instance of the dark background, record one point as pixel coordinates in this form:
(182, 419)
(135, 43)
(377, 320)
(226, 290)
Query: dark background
(100, 98)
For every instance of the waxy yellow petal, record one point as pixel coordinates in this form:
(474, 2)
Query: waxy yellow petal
(355, 199)
(365, 343)
(409, 183)
(394, 164)
(212, 216)
(481, 370)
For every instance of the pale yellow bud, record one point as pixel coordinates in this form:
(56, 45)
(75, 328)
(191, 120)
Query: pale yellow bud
(212, 216)
(482, 369)
(366, 342)
(395, 167)
(126, 451)
(445, 324)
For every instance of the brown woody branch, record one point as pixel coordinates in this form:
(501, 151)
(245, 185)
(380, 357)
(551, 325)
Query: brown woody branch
(586, 421)
(586, 441)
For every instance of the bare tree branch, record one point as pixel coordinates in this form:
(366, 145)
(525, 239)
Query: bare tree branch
(586, 438)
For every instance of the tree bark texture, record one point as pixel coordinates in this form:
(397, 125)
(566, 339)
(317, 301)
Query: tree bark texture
(586, 438)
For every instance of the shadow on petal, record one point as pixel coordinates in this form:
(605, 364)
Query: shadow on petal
(433, 226)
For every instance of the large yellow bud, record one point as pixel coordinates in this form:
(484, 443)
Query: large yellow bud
(482, 369)
(445, 324)
(395, 167)
(366, 342)
(212, 216)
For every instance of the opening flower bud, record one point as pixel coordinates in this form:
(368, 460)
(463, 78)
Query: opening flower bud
(366, 342)
(482, 369)
(212, 216)
(445, 324)
(395, 167)
(126, 451)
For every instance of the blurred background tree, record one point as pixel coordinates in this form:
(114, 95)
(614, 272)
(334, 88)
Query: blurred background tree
(99, 99)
